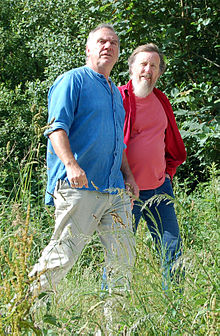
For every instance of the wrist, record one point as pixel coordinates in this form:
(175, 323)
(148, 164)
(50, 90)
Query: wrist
(70, 163)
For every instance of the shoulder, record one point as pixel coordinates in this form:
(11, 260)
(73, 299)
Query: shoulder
(164, 101)
(72, 74)
(160, 95)
(68, 80)
(124, 90)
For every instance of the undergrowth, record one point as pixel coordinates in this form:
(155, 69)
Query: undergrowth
(77, 306)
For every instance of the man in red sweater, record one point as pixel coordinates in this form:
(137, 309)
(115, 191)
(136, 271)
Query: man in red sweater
(154, 150)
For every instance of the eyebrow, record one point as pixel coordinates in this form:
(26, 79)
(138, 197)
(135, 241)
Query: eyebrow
(108, 39)
(146, 62)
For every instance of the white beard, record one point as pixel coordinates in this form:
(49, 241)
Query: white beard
(141, 89)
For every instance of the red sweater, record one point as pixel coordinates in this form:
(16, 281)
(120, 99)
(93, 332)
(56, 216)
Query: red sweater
(175, 152)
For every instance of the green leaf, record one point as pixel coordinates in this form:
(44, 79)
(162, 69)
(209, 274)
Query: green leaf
(50, 319)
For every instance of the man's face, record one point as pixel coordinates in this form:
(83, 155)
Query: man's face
(102, 49)
(145, 72)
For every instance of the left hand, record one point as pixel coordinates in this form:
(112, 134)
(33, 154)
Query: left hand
(130, 184)
(133, 191)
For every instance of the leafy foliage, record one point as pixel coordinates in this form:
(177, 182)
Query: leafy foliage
(40, 39)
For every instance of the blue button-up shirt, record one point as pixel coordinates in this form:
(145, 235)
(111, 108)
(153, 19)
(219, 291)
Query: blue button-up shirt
(81, 102)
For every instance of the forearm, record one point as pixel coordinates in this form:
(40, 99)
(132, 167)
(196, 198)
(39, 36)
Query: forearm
(61, 146)
(125, 169)
(128, 176)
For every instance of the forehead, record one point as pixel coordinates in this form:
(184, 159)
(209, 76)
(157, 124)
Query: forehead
(147, 56)
(104, 33)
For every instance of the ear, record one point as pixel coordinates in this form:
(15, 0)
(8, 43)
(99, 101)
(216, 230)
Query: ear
(87, 50)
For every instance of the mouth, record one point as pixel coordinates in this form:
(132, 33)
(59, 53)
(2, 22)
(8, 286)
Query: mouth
(146, 77)
(106, 55)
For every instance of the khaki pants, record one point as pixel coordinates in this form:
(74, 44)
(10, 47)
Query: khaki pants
(78, 214)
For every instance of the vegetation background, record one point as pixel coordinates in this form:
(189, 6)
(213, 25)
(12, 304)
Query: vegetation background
(38, 41)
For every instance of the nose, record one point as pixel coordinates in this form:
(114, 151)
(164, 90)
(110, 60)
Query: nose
(147, 68)
(107, 44)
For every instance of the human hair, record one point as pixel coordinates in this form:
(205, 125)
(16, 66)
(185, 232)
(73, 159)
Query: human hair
(102, 26)
(150, 47)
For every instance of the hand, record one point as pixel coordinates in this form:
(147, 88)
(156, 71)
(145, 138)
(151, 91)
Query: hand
(76, 176)
(130, 184)
(133, 191)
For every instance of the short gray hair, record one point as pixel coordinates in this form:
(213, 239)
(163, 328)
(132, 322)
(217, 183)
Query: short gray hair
(150, 47)
(102, 26)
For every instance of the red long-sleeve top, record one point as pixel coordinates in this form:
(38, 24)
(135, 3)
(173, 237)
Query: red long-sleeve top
(175, 153)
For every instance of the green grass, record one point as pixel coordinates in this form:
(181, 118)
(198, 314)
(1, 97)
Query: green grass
(77, 307)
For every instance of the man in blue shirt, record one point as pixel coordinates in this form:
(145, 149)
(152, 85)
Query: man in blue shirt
(87, 166)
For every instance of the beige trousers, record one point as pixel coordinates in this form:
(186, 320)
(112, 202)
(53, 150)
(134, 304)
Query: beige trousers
(78, 214)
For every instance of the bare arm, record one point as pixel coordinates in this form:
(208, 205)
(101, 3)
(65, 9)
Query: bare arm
(61, 146)
(130, 183)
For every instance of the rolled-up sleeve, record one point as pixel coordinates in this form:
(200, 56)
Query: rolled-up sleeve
(61, 105)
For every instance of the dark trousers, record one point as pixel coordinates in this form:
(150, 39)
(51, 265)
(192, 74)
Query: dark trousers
(159, 213)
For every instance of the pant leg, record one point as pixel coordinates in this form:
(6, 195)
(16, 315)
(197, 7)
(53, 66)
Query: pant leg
(167, 221)
(115, 232)
(137, 213)
(166, 235)
(137, 210)
(76, 213)
(162, 223)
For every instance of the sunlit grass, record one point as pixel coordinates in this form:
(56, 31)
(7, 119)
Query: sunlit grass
(77, 306)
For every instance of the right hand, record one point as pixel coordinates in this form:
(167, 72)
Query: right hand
(76, 176)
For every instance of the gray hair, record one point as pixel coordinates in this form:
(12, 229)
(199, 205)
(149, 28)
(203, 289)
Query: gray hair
(150, 47)
(102, 26)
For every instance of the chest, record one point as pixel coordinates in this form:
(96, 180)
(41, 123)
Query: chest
(150, 116)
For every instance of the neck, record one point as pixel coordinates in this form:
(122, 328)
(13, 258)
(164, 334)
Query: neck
(140, 93)
(101, 70)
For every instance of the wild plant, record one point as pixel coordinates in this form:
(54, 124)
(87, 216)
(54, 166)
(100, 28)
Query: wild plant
(17, 244)
(16, 300)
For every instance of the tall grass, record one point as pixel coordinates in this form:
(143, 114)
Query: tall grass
(77, 306)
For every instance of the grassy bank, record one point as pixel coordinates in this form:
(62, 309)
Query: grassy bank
(77, 307)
